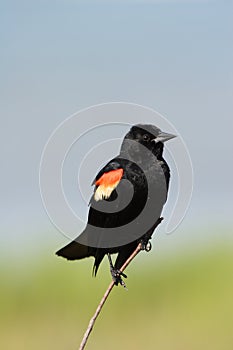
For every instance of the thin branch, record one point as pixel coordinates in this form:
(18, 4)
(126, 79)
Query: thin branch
(108, 291)
(103, 300)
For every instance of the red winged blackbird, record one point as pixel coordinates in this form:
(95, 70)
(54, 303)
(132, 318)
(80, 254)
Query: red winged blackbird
(128, 198)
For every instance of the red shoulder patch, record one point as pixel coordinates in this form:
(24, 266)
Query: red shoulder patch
(110, 178)
(107, 183)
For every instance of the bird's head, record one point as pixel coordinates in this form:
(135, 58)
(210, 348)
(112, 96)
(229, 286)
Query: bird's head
(149, 136)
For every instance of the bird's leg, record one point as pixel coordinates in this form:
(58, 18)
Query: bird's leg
(116, 273)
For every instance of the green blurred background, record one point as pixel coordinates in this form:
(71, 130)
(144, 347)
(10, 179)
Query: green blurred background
(174, 301)
(60, 56)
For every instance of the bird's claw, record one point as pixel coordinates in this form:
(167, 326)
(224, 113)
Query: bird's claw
(116, 276)
(146, 245)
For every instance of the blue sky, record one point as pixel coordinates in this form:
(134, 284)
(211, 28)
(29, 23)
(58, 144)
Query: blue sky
(60, 56)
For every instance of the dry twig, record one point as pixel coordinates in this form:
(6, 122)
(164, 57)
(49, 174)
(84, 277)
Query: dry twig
(108, 291)
(102, 302)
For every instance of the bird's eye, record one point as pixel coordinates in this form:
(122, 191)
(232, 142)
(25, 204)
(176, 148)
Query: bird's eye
(146, 137)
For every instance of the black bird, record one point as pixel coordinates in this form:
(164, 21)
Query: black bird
(128, 198)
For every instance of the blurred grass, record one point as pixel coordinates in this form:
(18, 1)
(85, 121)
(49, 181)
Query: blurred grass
(181, 302)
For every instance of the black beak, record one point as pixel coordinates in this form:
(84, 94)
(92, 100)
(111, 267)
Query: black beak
(164, 136)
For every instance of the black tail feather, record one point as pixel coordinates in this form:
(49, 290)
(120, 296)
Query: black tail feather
(98, 258)
(75, 251)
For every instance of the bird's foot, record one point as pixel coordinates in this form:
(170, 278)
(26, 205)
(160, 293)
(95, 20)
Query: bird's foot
(116, 273)
(146, 244)
(116, 276)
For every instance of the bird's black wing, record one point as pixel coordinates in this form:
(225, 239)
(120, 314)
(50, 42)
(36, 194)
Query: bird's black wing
(109, 198)
(119, 196)
(82, 246)
(120, 190)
